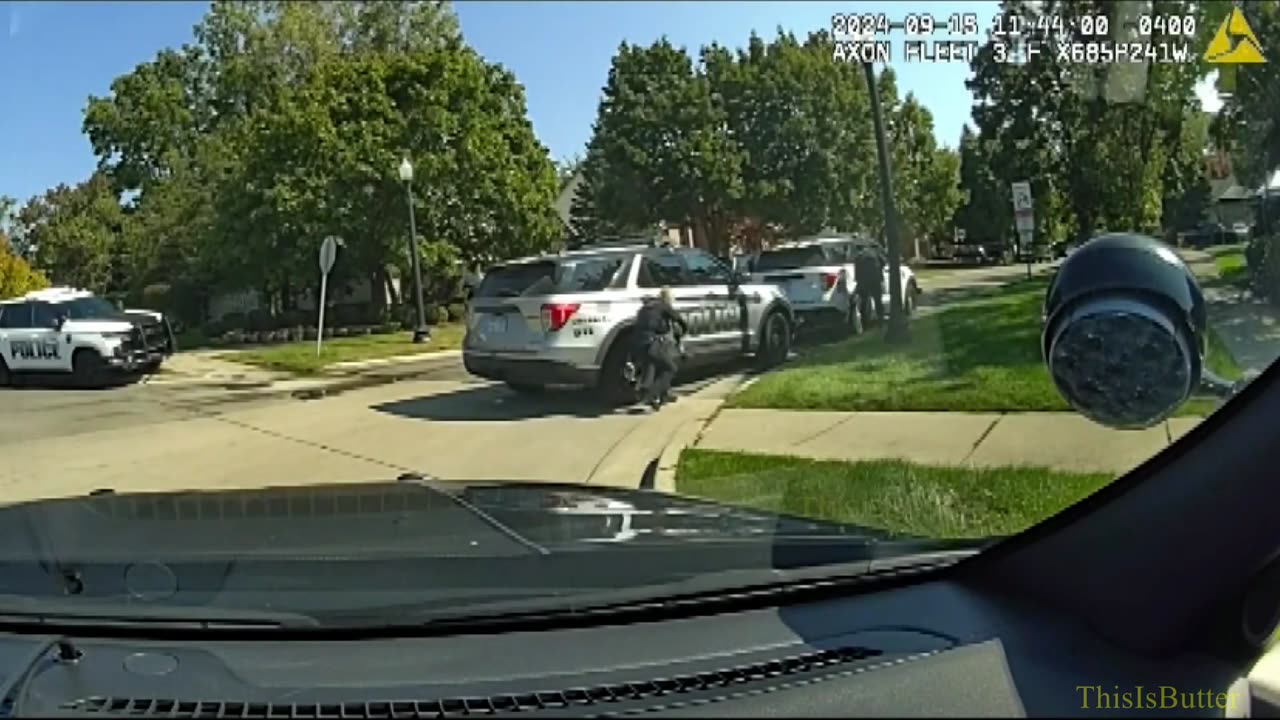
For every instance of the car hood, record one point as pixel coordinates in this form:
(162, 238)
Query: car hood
(98, 325)
(418, 517)
(401, 552)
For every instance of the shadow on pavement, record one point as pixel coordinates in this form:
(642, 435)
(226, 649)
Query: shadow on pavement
(497, 402)
(61, 381)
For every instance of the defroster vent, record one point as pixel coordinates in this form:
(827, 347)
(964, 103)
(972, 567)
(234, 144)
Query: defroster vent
(600, 695)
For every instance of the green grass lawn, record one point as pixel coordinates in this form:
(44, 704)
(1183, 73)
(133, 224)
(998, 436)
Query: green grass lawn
(1232, 268)
(300, 357)
(893, 495)
(980, 355)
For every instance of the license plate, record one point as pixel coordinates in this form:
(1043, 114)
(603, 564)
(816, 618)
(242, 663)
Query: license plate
(493, 324)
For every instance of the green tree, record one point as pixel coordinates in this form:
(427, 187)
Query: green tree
(75, 233)
(985, 213)
(1095, 140)
(804, 164)
(661, 139)
(325, 163)
(284, 122)
(17, 277)
(1248, 128)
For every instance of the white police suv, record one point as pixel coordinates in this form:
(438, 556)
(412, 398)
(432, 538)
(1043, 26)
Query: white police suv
(566, 319)
(64, 330)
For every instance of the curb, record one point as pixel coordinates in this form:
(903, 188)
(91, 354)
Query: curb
(348, 367)
(688, 433)
(335, 385)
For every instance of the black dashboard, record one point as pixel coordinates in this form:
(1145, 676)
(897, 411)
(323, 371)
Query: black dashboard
(933, 649)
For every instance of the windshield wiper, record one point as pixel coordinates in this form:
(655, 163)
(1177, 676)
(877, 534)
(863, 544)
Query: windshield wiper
(20, 610)
(701, 594)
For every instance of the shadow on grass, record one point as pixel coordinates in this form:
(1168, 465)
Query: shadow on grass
(892, 495)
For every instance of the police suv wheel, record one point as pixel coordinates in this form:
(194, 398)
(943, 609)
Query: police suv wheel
(613, 384)
(775, 340)
(87, 369)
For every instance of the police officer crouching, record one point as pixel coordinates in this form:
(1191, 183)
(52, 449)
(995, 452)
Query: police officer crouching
(656, 348)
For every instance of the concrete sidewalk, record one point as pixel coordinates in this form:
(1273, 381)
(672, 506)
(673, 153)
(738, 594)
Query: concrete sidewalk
(1249, 327)
(212, 368)
(1061, 441)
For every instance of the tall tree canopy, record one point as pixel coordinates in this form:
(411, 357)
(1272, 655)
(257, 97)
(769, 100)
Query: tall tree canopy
(773, 139)
(284, 122)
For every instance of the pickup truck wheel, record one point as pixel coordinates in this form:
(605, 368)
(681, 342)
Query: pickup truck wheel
(852, 317)
(775, 340)
(612, 383)
(88, 369)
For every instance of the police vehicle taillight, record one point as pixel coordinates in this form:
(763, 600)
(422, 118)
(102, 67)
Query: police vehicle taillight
(556, 315)
(829, 280)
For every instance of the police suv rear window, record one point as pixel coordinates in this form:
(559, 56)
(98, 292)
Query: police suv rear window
(792, 258)
(590, 274)
(517, 280)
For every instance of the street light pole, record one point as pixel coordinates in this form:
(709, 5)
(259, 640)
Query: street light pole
(421, 333)
(897, 331)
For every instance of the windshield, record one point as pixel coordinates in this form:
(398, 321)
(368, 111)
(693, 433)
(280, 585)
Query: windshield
(403, 258)
(89, 308)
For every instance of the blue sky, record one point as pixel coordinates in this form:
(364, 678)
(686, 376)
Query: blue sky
(54, 55)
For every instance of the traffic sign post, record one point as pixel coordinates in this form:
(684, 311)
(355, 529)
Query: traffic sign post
(328, 254)
(1024, 217)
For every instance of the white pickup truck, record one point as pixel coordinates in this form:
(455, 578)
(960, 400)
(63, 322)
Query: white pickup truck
(817, 276)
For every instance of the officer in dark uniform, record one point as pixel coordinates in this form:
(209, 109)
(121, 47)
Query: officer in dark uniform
(655, 346)
(868, 275)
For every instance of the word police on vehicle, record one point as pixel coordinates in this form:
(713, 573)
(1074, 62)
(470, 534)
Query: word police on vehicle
(64, 330)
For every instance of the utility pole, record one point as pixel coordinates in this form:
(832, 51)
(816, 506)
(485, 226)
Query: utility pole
(897, 331)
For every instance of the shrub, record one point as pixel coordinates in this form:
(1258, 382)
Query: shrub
(260, 320)
(406, 316)
(235, 321)
(16, 276)
(214, 329)
(1263, 259)
(436, 315)
(457, 311)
